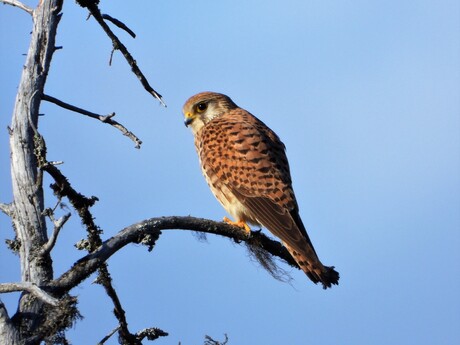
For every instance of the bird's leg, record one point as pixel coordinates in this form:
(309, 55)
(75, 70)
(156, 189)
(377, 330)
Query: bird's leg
(241, 224)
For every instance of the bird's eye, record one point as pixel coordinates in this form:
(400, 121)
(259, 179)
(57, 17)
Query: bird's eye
(200, 107)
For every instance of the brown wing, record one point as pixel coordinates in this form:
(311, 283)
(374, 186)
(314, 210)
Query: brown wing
(249, 159)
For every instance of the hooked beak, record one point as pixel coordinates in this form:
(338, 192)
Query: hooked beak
(188, 119)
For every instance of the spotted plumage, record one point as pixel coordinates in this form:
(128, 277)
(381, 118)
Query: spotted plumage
(245, 165)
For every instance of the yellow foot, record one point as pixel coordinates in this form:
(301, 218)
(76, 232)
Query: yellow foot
(241, 224)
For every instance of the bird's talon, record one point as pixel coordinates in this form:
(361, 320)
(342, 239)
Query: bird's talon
(241, 224)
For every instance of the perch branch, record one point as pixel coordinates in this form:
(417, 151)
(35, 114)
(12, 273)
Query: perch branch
(151, 229)
(29, 287)
(103, 118)
(96, 13)
(18, 4)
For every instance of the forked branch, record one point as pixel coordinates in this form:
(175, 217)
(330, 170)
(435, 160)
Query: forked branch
(117, 45)
(120, 24)
(58, 224)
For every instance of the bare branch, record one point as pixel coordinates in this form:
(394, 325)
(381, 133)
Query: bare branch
(120, 24)
(103, 118)
(29, 287)
(58, 224)
(6, 209)
(96, 13)
(151, 229)
(105, 280)
(18, 4)
(107, 337)
(82, 204)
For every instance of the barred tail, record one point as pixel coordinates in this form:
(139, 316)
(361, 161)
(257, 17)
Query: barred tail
(313, 268)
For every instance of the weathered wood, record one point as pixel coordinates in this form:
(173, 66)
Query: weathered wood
(28, 204)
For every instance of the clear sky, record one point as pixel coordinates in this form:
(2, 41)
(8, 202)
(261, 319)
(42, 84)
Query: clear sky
(366, 97)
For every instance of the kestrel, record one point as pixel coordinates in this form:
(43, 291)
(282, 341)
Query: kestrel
(245, 165)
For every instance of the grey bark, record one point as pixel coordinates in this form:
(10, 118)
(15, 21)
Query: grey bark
(28, 204)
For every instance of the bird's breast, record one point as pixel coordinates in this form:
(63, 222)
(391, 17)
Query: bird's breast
(228, 200)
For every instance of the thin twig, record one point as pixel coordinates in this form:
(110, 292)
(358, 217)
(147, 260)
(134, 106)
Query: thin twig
(103, 118)
(120, 24)
(103, 340)
(29, 287)
(96, 13)
(18, 4)
(58, 224)
(111, 56)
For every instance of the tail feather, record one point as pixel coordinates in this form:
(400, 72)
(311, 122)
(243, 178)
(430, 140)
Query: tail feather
(307, 259)
(314, 269)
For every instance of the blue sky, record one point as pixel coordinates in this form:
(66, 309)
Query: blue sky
(366, 97)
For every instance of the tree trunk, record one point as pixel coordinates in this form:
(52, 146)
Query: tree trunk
(28, 203)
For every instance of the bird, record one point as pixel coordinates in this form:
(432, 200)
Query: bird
(245, 165)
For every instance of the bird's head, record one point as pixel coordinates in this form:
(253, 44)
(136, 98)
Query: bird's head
(205, 106)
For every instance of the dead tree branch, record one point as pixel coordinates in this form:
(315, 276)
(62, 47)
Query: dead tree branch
(29, 287)
(107, 337)
(117, 45)
(82, 205)
(148, 231)
(103, 118)
(120, 24)
(58, 224)
(105, 280)
(18, 4)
